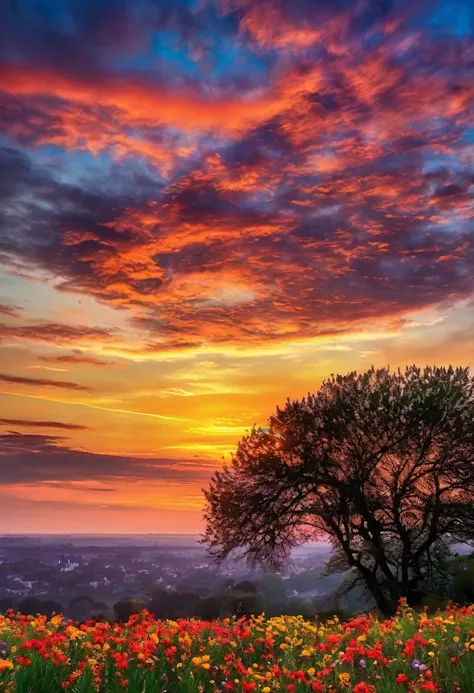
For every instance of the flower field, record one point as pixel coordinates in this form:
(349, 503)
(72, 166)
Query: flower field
(410, 653)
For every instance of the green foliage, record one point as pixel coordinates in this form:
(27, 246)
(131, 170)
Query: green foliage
(462, 571)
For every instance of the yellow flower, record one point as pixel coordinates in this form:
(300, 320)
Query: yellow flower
(430, 654)
(361, 638)
(311, 671)
(206, 665)
(267, 689)
(344, 679)
(196, 661)
(455, 639)
(205, 658)
(106, 647)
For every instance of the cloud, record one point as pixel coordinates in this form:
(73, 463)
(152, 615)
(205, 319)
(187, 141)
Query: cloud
(32, 423)
(9, 309)
(35, 459)
(58, 333)
(318, 181)
(75, 359)
(43, 382)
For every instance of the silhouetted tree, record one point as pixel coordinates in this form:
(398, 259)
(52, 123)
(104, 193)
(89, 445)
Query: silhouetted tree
(183, 604)
(29, 606)
(462, 571)
(214, 607)
(49, 607)
(7, 603)
(381, 464)
(126, 607)
(246, 603)
(159, 602)
(246, 586)
(80, 607)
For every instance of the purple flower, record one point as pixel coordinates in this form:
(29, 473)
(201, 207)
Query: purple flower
(422, 667)
(415, 664)
(363, 663)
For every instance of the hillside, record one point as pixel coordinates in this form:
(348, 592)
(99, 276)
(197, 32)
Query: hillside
(409, 653)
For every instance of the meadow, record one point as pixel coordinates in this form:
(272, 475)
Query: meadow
(411, 652)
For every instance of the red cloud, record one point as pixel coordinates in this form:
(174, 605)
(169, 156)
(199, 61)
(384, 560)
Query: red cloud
(141, 101)
(311, 205)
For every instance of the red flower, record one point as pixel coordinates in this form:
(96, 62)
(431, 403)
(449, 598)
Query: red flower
(429, 686)
(248, 687)
(363, 688)
(317, 687)
(401, 678)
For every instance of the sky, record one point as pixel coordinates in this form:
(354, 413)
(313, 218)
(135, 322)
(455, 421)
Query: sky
(206, 207)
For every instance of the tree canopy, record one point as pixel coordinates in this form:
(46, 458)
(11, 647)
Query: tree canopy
(380, 464)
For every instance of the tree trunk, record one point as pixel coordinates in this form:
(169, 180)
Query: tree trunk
(384, 603)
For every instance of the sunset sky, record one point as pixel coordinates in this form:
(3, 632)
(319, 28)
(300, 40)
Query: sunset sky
(206, 207)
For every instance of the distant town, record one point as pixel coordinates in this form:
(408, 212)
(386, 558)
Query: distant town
(84, 576)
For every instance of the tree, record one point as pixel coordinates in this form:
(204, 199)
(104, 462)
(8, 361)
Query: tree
(215, 607)
(381, 464)
(462, 571)
(29, 606)
(246, 586)
(49, 608)
(159, 602)
(183, 604)
(245, 603)
(127, 607)
(7, 603)
(80, 607)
